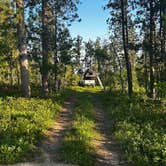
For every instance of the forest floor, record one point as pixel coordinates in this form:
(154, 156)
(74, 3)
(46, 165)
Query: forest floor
(107, 152)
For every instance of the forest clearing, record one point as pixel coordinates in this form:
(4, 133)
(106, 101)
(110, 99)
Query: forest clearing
(83, 88)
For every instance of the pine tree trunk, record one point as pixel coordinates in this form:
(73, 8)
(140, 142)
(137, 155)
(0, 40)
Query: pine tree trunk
(25, 87)
(125, 45)
(11, 70)
(163, 28)
(55, 52)
(152, 35)
(18, 75)
(146, 72)
(45, 47)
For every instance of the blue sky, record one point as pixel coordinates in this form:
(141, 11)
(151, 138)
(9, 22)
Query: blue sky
(93, 22)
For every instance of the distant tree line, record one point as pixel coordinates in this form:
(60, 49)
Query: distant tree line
(36, 48)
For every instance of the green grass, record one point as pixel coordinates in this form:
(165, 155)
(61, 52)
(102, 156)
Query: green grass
(140, 127)
(23, 122)
(137, 123)
(78, 146)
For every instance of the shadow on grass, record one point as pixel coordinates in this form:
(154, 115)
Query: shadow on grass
(75, 150)
(36, 93)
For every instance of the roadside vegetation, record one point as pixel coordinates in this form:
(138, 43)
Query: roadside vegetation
(138, 124)
(23, 122)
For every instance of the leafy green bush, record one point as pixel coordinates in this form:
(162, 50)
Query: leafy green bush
(139, 125)
(22, 122)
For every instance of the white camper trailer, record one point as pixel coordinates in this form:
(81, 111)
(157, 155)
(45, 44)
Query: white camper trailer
(90, 78)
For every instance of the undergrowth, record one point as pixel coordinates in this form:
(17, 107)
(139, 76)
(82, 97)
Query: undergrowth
(23, 122)
(140, 126)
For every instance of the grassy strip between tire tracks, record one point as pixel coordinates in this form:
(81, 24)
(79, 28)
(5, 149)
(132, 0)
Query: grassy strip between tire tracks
(79, 146)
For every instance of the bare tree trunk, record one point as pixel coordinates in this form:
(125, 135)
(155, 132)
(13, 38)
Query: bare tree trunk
(163, 28)
(45, 47)
(163, 37)
(11, 69)
(146, 72)
(18, 75)
(55, 51)
(152, 35)
(125, 44)
(25, 87)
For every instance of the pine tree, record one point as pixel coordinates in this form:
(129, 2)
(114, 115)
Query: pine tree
(119, 15)
(56, 16)
(25, 86)
(45, 45)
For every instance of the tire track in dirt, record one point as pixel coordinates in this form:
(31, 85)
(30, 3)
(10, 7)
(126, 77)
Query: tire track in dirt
(108, 151)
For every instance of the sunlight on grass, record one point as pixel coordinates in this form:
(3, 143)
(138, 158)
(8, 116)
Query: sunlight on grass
(79, 147)
(23, 123)
(139, 125)
(87, 89)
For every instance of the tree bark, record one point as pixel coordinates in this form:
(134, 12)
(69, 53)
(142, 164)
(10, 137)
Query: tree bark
(152, 35)
(25, 86)
(45, 48)
(146, 72)
(125, 45)
(11, 69)
(163, 28)
(55, 50)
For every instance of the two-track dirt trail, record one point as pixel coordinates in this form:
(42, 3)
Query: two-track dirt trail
(108, 151)
(54, 139)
